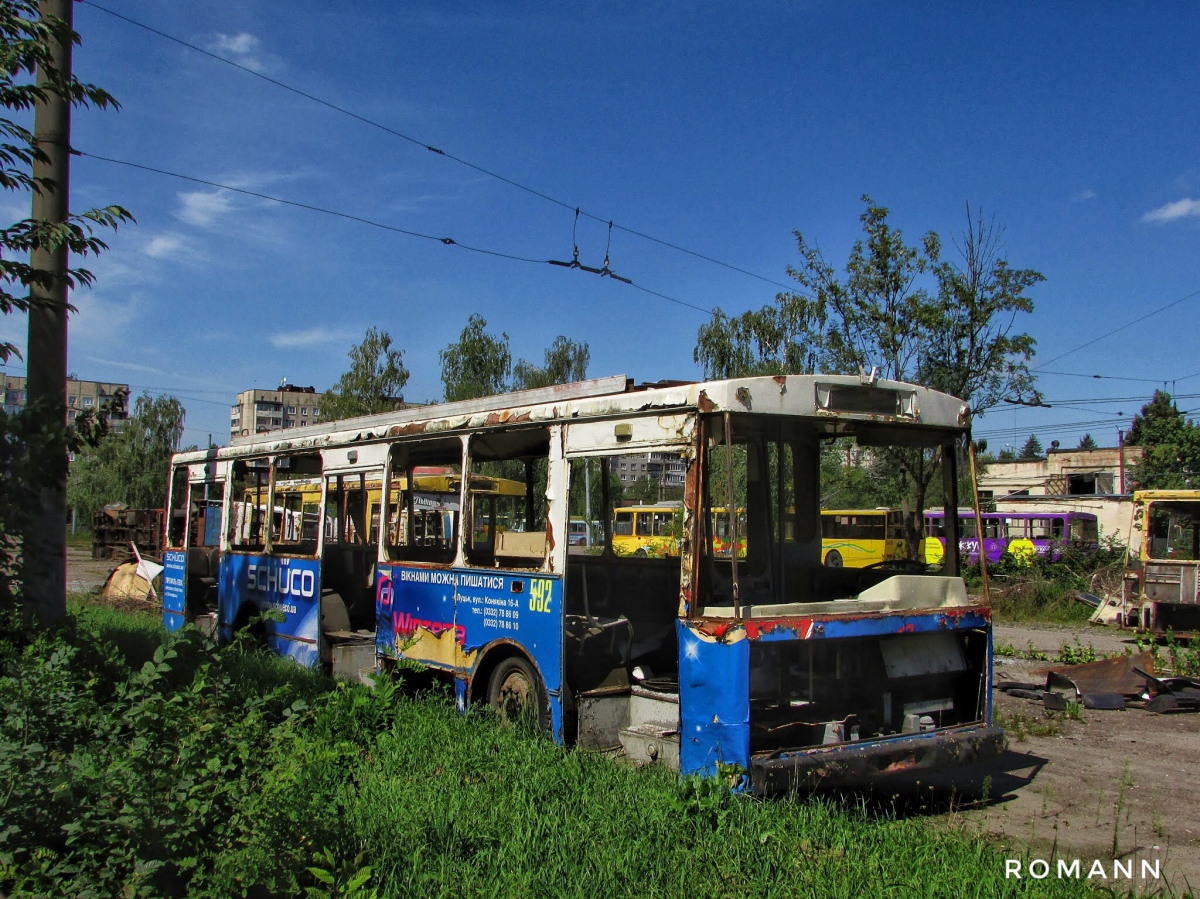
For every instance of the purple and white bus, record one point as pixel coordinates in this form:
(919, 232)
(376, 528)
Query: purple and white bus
(1023, 534)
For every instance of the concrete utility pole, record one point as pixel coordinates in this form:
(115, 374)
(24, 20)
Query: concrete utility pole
(45, 549)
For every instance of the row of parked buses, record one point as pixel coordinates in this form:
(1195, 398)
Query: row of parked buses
(743, 653)
(856, 538)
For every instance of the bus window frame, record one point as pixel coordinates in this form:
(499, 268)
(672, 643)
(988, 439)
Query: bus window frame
(392, 474)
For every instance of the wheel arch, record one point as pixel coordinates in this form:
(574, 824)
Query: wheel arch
(490, 659)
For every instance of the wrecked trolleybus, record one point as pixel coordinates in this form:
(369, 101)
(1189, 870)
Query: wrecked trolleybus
(764, 662)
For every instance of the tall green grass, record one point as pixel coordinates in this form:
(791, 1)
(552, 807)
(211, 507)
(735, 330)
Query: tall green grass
(140, 764)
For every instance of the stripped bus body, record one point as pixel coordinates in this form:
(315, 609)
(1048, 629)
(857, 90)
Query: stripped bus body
(1162, 566)
(764, 662)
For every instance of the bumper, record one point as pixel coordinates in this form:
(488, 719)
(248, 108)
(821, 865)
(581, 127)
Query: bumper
(852, 763)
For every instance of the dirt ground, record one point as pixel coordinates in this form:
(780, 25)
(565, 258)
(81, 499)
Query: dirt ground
(1111, 776)
(1111, 779)
(85, 574)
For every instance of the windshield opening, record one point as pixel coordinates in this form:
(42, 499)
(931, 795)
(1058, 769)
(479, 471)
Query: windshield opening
(824, 510)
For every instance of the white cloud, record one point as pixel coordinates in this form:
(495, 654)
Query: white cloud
(1083, 196)
(1172, 211)
(167, 246)
(130, 366)
(200, 207)
(311, 337)
(242, 47)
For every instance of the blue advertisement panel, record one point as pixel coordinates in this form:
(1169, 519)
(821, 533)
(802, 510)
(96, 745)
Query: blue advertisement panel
(448, 618)
(174, 589)
(288, 586)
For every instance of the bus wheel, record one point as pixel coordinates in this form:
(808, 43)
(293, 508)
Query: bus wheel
(833, 559)
(515, 691)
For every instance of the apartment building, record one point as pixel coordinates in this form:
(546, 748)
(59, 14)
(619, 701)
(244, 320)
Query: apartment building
(668, 469)
(82, 396)
(289, 406)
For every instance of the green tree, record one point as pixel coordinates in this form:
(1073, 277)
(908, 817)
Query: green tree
(970, 348)
(32, 442)
(566, 361)
(1170, 446)
(1087, 442)
(1032, 449)
(900, 310)
(477, 364)
(644, 490)
(130, 465)
(373, 382)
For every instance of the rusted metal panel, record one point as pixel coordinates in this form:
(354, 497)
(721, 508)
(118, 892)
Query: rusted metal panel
(671, 431)
(816, 627)
(1115, 675)
(856, 763)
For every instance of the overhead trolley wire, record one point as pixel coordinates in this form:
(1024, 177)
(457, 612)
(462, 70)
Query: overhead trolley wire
(445, 241)
(1138, 320)
(432, 149)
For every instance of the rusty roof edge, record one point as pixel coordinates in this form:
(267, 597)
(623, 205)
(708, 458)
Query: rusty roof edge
(532, 397)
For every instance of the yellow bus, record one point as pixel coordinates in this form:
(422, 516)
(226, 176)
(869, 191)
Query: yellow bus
(647, 530)
(855, 538)
(355, 508)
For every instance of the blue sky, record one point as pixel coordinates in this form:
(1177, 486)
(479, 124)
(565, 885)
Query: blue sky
(718, 127)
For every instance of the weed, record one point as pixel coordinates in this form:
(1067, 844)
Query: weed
(1123, 786)
(1020, 725)
(1076, 654)
(138, 763)
(1156, 819)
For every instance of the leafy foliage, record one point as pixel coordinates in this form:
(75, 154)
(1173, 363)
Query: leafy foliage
(566, 361)
(250, 777)
(26, 43)
(1170, 446)
(34, 442)
(129, 465)
(478, 364)
(882, 315)
(373, 382)
(900, 310)
(1087, 442)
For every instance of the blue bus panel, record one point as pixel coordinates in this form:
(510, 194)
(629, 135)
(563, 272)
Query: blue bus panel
(174, 589)
(285, 585)
(448, 618)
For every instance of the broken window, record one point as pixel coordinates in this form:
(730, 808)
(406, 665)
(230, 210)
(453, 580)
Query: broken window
(508, 504)
(247, 523)
(296, 512)
(424, 502)
(177, 529)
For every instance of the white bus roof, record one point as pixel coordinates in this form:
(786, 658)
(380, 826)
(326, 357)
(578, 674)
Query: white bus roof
(850, 398)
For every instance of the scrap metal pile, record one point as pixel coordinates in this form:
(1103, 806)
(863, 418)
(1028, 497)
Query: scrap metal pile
(1125, 681)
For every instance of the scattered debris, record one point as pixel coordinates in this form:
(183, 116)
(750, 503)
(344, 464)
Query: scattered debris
(1119, 674)
(133, 579)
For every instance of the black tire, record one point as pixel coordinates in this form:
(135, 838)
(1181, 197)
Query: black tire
(515, 691)
(833, 559)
